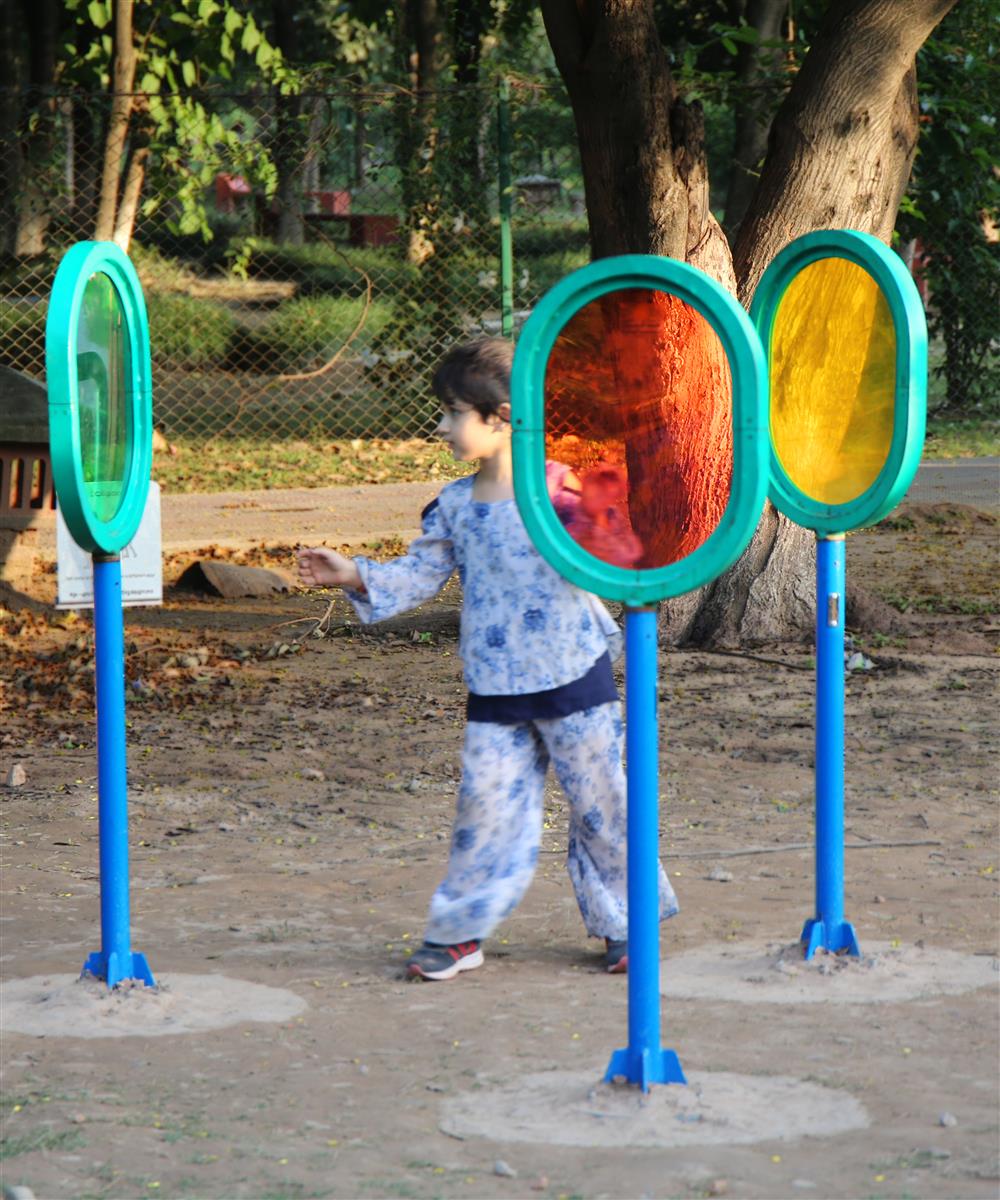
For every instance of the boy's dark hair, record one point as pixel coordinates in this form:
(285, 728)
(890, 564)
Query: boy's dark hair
(475, 373)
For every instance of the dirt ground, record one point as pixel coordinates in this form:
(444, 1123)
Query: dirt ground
(290, 807)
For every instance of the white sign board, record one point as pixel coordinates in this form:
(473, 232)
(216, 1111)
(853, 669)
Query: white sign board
(142, 563)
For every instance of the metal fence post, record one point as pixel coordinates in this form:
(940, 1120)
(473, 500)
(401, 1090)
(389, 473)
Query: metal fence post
(506, 205)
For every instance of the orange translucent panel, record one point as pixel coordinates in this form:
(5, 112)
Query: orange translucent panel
(833, 379)
(638, 428)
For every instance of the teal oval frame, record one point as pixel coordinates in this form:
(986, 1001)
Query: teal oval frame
(910, 402)
(640, 587)
(78, 264)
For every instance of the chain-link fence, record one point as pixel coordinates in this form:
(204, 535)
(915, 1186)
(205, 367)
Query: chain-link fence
(306, 259)
(305, 271)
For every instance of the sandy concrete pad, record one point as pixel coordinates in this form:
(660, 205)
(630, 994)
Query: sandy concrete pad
(570, 1108)
(778, 974)
(67, 1006)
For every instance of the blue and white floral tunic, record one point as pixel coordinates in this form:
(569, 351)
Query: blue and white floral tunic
(524, 628)
(536, 652)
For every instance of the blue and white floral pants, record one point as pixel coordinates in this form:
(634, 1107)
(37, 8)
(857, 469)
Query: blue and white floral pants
(498, 824)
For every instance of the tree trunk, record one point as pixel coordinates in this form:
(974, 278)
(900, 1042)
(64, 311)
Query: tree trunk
(12, 72)
(37, 182)
(466, 185)
(421, 51)
(291, 134)
(135, 173)
(842, 144)
(90, 122)
(840, 152)
(359, 160)
(122, 82)
(755, 65)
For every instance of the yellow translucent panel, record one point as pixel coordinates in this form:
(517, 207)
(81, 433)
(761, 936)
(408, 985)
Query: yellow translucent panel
(833, 379)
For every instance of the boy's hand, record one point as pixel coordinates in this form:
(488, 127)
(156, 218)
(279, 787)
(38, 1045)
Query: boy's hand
(319, 567)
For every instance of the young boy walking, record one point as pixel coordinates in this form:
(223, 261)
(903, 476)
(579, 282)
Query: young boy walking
(537, 655)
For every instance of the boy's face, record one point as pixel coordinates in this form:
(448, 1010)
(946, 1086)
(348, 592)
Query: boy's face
(470, 435)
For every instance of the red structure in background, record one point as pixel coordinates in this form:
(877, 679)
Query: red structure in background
(639, 381)
(336, 203)
(229, 191)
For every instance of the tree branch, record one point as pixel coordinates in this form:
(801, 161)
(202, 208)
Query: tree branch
(841, 141)
(122, 82)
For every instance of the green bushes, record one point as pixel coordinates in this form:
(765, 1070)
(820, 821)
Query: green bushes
(545, 270)
(22, 337)
(549, 237)
(323, 267)
(235, 324)
(194, 334)
(188, 333)
(304, 333)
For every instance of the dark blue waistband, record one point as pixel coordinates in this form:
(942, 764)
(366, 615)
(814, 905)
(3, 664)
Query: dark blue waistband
(596, 687)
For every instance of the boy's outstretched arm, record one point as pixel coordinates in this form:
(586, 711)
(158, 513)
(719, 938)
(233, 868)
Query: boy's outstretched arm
(320, 567)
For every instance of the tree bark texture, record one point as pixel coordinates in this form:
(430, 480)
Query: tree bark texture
(122, 83)
(839, 154)
(128, 209)
(842, 144)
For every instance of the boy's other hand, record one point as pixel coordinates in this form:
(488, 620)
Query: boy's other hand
(319, 567)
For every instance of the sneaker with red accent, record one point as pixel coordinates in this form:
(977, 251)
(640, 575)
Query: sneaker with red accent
(433, 961)
(616, 956)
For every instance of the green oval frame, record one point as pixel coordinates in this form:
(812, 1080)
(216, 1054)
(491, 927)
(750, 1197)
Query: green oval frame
(910, 403)
(78, 264)
(638, 587)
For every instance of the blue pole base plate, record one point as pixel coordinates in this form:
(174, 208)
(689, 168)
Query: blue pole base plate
(645, 1067)
(113, 968)
(838, 938)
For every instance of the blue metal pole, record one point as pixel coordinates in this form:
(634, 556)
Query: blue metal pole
(643, 1061)
(115, 960)
(828, 929)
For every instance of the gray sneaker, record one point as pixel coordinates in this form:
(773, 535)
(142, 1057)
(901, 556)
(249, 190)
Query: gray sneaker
(432, 961)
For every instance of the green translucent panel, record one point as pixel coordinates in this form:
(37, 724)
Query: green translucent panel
(833, 380)
(102, 349)
(638, 428)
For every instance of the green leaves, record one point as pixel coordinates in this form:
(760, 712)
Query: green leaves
(99, 12)
(250, 39)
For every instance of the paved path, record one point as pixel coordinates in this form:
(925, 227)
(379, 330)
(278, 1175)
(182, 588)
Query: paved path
(292, 515)
(369, 511)
(974, 481)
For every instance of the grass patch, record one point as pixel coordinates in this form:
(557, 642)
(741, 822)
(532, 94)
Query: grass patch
(252, 463)
(304, 333)
(41, 1139)
(962, 437)
(184, 332)
(964, 605)
(245, 464)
